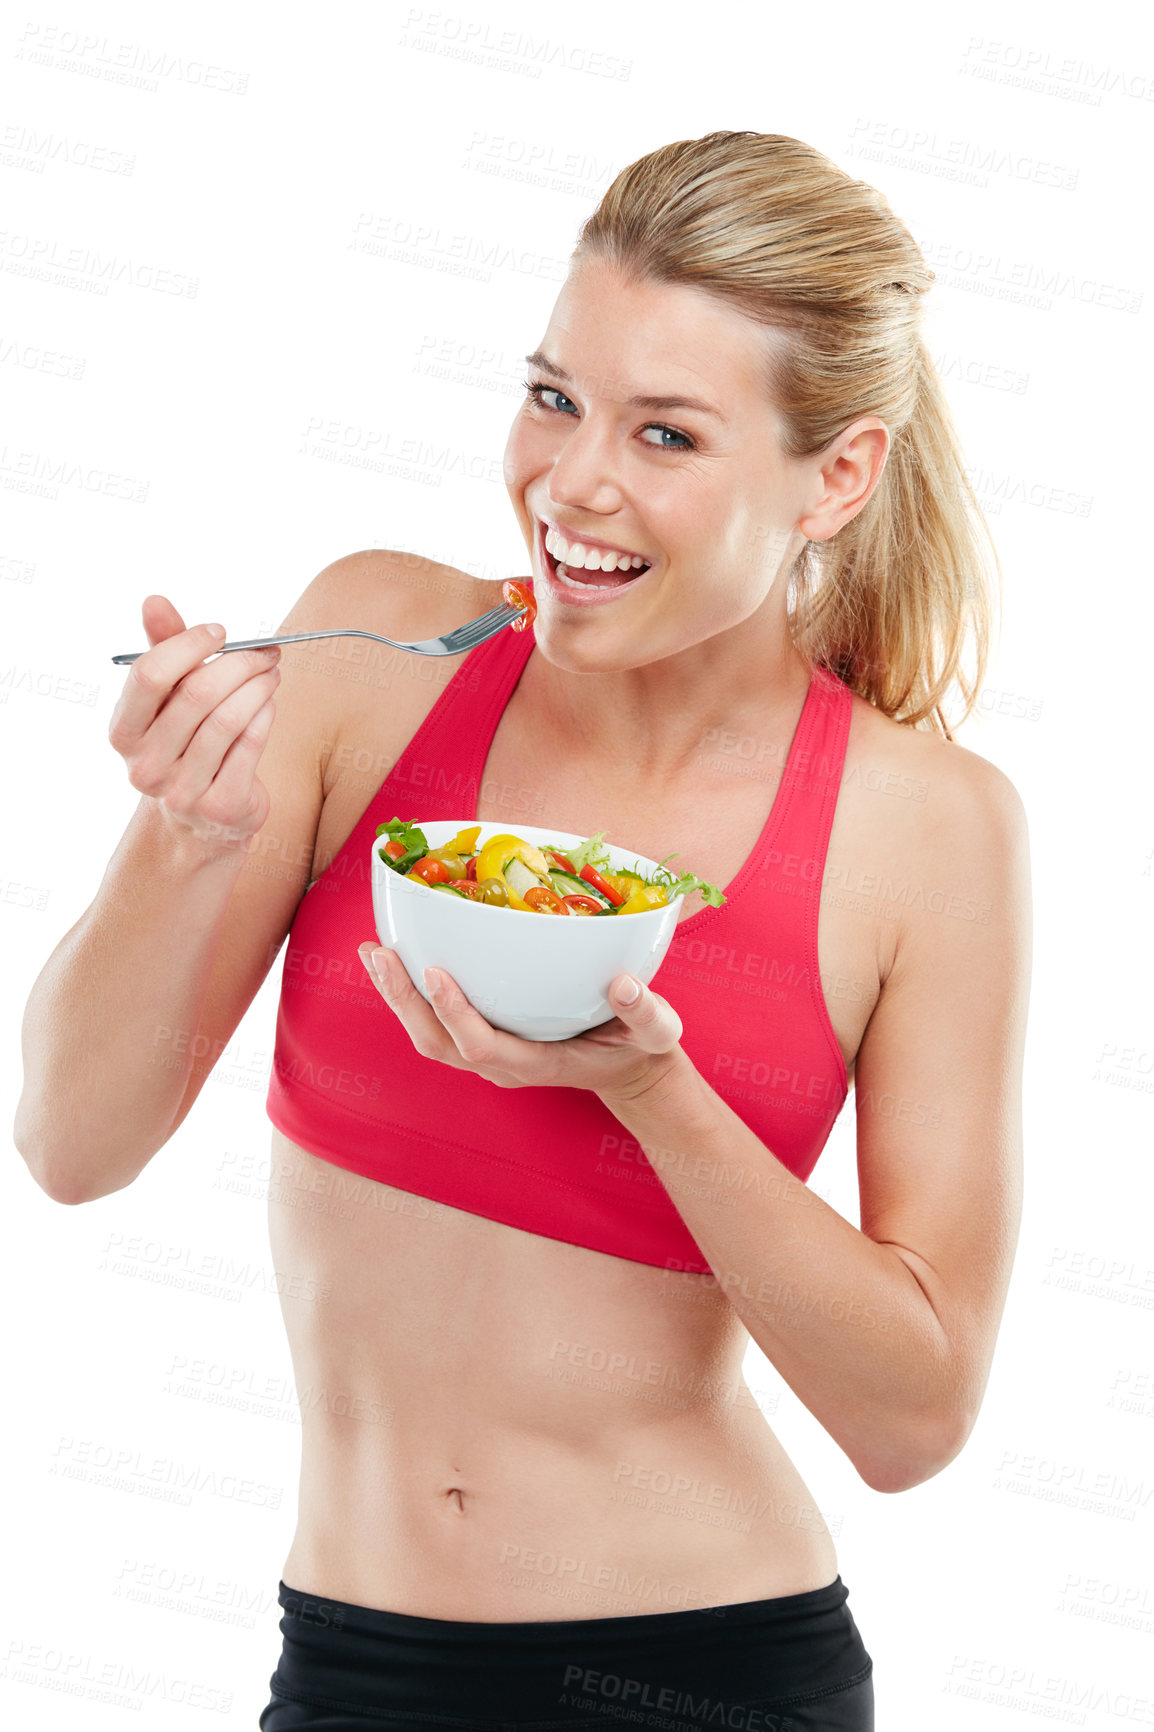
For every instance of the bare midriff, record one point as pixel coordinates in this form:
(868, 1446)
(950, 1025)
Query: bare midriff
(500, 1427)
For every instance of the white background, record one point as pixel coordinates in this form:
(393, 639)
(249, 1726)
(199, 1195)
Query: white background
(1026, 1562)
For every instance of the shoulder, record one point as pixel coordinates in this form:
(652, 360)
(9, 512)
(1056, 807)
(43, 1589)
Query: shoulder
(397, 595)
(945, 826)
(394, 587)
(950, 783)
(358, 703)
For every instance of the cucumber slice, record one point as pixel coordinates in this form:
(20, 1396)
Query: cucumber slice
(520, 877)
(566, 885)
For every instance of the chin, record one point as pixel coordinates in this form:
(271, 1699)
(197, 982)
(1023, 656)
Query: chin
(581, 658)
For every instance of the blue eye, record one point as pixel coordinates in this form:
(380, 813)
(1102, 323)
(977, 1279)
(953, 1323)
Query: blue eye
(539, 392)
(656, 427)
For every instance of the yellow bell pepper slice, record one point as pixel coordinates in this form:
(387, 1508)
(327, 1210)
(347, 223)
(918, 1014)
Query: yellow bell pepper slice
(491, 864)
(621, 883)
(465, 841)
(644, 897)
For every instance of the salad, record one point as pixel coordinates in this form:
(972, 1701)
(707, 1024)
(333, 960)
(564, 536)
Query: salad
(507, 872)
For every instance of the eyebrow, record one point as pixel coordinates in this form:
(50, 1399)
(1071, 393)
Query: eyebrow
(538, 359)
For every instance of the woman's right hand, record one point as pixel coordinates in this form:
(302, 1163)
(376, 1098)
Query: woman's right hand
(192, 733)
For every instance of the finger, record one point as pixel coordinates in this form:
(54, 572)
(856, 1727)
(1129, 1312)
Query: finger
(151, 679)
(474, 1037)
(372, 968)
(234, 779)
(179, 712)
(500, 1057)
(421, 1023)
(652, 1022)
(201, 691)
(160, 618)
(203, 757)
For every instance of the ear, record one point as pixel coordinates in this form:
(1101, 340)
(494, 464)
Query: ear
(847, 472)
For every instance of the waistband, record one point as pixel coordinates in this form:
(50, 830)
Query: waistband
(783, 1651)
(784, 1614)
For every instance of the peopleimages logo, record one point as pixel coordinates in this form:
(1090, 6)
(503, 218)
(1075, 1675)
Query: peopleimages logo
(1027, 67)
(637, 1693)
(1023, 281)
(963, 159)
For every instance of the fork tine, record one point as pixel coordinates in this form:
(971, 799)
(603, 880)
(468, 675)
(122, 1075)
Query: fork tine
(501, 612)
(477, 630)
(496, 616)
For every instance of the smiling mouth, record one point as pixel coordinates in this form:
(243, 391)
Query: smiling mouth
(582, 577)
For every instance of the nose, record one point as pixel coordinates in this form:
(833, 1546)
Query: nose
(582, 477)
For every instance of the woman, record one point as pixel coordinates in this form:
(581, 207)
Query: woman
(520, 1277)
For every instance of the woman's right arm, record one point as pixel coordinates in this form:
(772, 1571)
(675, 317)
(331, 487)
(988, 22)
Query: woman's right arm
(111, 1055)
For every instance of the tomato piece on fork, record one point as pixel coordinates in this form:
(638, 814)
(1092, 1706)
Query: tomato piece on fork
(520, 595)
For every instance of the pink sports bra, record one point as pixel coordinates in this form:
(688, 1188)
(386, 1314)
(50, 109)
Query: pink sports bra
(348, 1086)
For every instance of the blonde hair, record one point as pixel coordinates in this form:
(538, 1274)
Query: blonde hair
(774, 228)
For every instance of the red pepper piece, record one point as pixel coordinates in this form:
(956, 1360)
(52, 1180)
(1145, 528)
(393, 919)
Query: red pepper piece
(592, 876)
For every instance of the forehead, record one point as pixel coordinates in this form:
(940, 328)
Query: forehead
(619, 336)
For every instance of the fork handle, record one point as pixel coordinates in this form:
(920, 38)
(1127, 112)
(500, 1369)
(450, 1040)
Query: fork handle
(242, 643)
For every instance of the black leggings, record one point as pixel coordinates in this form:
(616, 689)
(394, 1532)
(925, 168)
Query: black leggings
(791, 1664)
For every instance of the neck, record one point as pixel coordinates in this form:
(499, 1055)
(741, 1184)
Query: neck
(655, 725)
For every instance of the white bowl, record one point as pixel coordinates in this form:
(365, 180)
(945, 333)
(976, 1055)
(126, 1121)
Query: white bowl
(540, 976)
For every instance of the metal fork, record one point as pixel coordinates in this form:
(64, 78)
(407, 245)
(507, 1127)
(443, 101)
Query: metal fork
(453, 643)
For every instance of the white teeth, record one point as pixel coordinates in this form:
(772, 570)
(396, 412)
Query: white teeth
(566, 576)
(580, 558)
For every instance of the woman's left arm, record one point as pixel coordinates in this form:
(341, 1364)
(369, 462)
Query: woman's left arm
(887, 1334)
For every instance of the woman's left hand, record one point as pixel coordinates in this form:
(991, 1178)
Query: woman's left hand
(620, 1059)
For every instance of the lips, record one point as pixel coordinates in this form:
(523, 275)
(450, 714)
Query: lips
(594, 589)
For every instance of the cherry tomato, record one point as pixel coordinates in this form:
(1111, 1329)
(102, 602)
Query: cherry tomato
(542, 900)
(394, 848)
(560, 859)
(520, 595)
(471, 869)
(609, 891)
(429, 871)
(581, 904)
(468, 887)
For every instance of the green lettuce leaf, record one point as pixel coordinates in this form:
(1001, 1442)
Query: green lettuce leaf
(415, 843)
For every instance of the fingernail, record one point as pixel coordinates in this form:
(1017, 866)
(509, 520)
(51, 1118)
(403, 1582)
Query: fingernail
(217, 631)
(629, 991)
